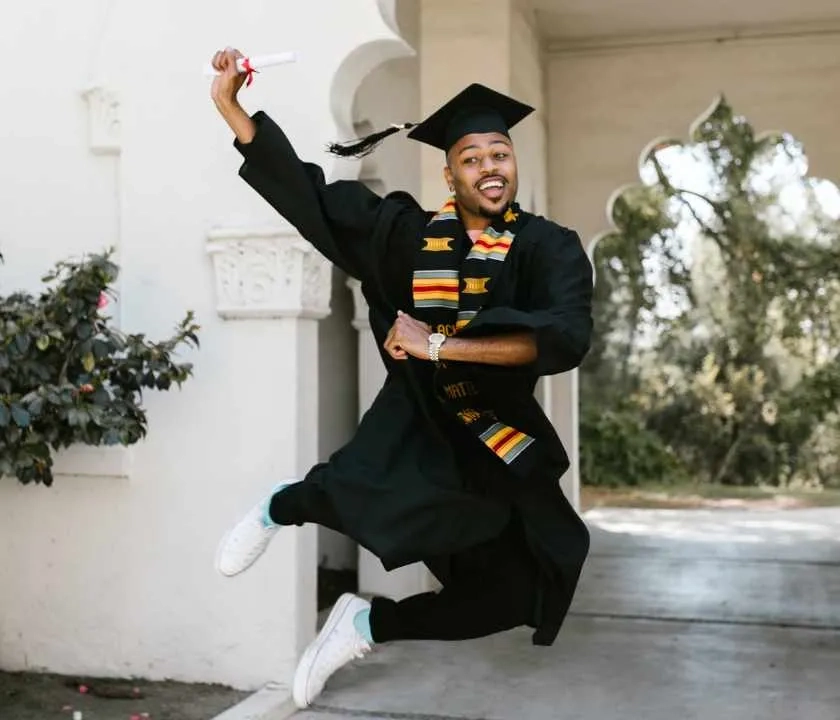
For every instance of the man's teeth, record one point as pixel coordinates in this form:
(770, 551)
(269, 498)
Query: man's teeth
(491, 184)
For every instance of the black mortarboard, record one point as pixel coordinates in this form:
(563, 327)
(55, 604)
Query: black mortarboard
(476, 109)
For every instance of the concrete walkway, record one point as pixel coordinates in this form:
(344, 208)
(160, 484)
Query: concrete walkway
(681, 615)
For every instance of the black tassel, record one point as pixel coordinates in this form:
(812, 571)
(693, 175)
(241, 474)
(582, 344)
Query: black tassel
(366, 145)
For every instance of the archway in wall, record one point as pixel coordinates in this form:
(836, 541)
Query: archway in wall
(716, 359)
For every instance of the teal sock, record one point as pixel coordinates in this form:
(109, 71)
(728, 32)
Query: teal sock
(362, 624)
(266, 513)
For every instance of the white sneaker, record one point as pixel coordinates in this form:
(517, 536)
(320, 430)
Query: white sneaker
(337, 644)
(243, 544)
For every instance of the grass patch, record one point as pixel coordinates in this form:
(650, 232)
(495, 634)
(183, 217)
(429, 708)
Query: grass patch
(707, 496)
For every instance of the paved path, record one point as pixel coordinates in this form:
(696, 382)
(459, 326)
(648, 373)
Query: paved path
(681, 614)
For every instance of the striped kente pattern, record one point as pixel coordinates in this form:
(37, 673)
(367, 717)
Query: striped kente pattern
(492, 245)
(452, 282)
(435, 288)
(507, 442)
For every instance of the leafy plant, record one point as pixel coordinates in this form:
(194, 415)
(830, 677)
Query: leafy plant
(67, 376)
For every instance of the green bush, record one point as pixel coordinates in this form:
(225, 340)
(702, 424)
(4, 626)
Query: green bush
(617, 450)
(66, 377)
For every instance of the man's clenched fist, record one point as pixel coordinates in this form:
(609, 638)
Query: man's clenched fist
(408, 336)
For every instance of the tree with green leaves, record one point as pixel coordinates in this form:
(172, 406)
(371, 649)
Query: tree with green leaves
(718, 311)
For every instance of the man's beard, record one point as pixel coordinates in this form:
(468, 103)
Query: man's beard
(491, 215)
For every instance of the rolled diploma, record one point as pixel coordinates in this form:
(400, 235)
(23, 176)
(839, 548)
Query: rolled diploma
(259, 61)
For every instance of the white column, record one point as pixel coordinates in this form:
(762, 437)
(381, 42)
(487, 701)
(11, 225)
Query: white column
(371, 369)
(564, 416)
(373, 579)
(277, 287)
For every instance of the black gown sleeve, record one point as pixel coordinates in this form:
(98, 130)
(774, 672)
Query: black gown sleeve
(557, 281)
(339, 218)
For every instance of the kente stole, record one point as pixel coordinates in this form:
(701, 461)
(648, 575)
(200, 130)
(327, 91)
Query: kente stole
(448, 293)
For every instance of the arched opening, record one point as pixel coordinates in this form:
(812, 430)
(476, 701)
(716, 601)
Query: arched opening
(715, 360)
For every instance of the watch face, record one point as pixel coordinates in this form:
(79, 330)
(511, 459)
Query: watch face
(437, 338)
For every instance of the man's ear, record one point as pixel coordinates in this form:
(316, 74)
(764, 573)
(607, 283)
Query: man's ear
(447, 176)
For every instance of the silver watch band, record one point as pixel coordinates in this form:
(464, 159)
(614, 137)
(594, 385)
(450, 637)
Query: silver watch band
(434, 348)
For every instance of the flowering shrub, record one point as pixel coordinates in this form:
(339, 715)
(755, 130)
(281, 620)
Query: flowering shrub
(66, 377)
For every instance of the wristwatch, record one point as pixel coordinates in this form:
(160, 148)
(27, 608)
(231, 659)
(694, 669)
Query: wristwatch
(435, 342)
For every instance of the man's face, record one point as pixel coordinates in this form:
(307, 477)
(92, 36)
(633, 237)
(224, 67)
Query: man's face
(481, 168)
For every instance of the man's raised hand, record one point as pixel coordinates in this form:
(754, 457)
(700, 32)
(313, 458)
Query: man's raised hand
(229, 81)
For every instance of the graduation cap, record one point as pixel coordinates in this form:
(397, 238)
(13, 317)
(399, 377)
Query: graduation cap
(476, 109)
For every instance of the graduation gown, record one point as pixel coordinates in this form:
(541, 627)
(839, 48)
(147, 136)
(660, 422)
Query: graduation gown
(413, 484)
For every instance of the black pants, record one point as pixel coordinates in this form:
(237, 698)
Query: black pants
(486, 589)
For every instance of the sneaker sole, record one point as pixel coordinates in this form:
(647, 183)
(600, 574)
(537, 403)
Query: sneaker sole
(223, 541)
(218, 560)
(222, 544)
(311, 653)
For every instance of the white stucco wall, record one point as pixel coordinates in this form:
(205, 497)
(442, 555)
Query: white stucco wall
(114, 576)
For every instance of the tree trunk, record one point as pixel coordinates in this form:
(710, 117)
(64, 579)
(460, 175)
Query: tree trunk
(727, 459)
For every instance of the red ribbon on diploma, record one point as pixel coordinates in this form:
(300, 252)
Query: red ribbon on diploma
(246, 66)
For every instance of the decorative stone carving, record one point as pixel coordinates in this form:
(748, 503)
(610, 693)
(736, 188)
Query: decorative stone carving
(104, 124)
(268, 273)
(361, 321)
(317, 284)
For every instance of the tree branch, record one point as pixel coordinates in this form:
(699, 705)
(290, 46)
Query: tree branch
(680, 192)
